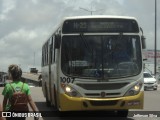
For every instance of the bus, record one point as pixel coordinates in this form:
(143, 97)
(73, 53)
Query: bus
(83, 71)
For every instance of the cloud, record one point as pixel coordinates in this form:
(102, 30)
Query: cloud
(19, 46)
(25, 25)
(6, 7)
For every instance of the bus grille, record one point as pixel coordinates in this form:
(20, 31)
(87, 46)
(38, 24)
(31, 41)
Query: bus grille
(103, 103)
(99, 95)
(104, 86)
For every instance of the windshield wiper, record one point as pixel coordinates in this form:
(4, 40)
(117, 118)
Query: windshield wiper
(87, 46)
(86, 43)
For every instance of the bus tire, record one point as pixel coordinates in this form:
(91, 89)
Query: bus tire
(55, 99)
(48, 104)
(122, 113)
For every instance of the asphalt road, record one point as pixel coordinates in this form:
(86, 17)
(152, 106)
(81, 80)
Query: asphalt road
(150, 111)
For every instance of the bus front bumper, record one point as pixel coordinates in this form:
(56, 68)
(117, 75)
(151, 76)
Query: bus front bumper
(68, 103)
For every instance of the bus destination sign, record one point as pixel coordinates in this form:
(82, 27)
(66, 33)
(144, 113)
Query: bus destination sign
(100, 25)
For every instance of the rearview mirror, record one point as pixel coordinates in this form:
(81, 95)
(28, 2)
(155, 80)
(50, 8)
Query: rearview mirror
(143, 42)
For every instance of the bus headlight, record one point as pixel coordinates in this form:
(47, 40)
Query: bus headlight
(134, 90)
(71, 91)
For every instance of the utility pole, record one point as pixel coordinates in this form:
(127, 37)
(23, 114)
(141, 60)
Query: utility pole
(155, 45)
(91, 11)
(34, 59)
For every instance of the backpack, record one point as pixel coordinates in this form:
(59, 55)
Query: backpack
(19, 100)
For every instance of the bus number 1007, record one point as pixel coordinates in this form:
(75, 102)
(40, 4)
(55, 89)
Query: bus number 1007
(66, 80)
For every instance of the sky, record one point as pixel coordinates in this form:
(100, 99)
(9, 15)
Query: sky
(26, 24)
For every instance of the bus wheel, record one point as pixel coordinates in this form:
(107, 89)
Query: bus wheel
(55, 99)
(122, 113)
(48, 104)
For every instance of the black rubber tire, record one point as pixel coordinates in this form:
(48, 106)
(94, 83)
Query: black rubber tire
(122, 113)
(48, 103)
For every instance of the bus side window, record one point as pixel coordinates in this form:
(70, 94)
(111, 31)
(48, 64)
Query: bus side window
(46, 54)
(42, 56)
(53, 51)
(44, 51)
(50, 50)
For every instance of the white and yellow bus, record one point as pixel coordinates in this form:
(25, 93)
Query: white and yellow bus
(94, 63)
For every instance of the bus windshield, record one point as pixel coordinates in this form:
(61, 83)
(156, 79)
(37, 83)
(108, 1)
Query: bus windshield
(101, 56)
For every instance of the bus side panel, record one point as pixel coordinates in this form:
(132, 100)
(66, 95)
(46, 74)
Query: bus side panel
(45, 81)
(53, 82)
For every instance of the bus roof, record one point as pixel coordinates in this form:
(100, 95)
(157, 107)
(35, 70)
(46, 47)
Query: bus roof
(99, 16)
